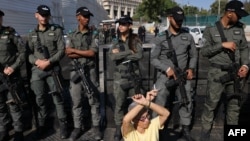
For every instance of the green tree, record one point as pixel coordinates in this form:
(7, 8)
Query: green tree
(190, 10)
(151, 10)
(247, 5)
(215, 7)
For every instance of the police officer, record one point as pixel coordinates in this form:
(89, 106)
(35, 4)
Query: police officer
(222, 54)
(161, 58)
(12, 57)
(46, 49)
(125, 53)
(83, 49)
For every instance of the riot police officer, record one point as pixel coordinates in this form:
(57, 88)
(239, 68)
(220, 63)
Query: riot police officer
(82, 49)
(174, 56)
(11, 58)
(46, 49)
(227, 49)
(126, 52)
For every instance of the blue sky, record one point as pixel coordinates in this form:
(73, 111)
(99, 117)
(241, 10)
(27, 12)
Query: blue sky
(198, 3)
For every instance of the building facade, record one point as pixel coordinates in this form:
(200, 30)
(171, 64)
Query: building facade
(118, 8)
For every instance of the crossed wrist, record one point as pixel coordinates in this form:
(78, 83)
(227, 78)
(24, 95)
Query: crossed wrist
(148, 104)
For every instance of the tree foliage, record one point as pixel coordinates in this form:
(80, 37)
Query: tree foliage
(151, 10)
(218, 7)
(247, 5)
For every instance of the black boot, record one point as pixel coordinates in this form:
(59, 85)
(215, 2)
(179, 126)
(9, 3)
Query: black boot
(41, 132)
(186, 136)
(4, 136)
(18, 136)
(92, 134)
(205, 134)
(118, 134)
(63, 129)
(75, 134)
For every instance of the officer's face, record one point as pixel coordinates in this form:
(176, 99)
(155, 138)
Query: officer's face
(124, 27)
(233, 17)
(175, 24)
(42, 19)
(83, 20)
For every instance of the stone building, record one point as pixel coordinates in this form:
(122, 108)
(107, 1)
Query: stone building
(118, 8)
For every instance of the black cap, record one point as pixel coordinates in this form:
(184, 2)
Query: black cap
(43, 10)
(177, 13)
(1, 13)
(125, 19)
(237, 7)
(84, 11)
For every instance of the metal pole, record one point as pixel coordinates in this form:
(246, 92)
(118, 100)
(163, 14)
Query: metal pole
(218, 9)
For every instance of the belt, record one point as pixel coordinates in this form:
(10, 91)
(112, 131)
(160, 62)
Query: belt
(223, 67)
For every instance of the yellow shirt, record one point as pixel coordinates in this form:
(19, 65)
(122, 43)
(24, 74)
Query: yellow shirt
(150, 134)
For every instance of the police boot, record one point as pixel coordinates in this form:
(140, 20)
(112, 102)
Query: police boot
(186, 136)
(75, 134)
(92, 134)
(97, 133)
(40, 132)
(205, 134)
(18, 136)
(63, 129)
(118, 134)
(4, 136)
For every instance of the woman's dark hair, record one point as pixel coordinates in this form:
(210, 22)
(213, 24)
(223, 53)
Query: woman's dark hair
(133, 39)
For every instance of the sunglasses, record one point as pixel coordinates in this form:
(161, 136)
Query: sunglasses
(143, 118)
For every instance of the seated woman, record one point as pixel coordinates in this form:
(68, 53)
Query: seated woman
(137, 125)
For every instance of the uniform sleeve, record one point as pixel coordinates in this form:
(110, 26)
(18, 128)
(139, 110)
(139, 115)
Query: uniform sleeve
(30, 50)
(138, 55)
(120, 55)
(192, 54)
(244, 50)
(60, 47)
(154, 57)
(210, 48)
(21, 51)
(93, 45)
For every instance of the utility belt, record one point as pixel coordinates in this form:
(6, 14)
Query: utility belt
(222, 67)
(230, 75)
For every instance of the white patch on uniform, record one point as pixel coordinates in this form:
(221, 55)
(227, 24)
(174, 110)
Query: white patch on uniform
(51, 34)
(184, 38)
(217, 35)
(237, 32)
(4, 37)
